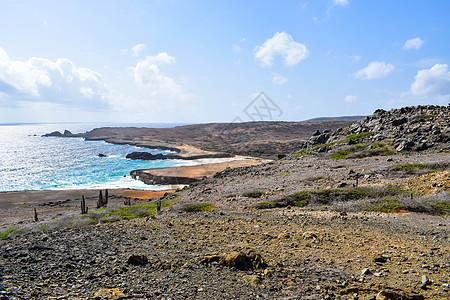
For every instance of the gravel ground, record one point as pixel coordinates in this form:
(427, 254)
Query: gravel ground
(238, 252)
(307, 255)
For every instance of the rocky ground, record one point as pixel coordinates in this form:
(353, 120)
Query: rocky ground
(238, 251)
(308, 226)
(228, 254)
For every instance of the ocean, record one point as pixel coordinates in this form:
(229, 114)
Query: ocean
(31, 162)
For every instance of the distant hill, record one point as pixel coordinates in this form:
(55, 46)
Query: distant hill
(336, 119)
(262, 139)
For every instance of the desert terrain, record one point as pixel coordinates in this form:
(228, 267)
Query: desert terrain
(360, 212)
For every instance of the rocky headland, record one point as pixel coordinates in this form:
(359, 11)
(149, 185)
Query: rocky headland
(347, 214)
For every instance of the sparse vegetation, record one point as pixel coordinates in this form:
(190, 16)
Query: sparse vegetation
(351, 137)
(316, 198)
(387, 199)
(417, 168)
(364, 150)
(301, 153)
(138, 210)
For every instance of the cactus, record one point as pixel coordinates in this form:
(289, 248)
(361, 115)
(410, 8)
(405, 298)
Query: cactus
(158, 207)
(106, 198)
(84, 208)
(35, 215)
(100, 200)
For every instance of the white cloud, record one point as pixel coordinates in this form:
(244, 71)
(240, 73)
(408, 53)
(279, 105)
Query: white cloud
(23, 77)
(340, 2)
(281, 44)
(375, 70)
(433, 81)
(351, 99)
(415, 43)
(137, 49)
(148, 75)
(279, 79)
(161, 58)
(237, 48)
(59, 82)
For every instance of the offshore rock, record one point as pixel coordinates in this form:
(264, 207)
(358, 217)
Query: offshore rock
(53, 134)
(145, 156)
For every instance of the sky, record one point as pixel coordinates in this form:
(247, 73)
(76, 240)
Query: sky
(219, 61)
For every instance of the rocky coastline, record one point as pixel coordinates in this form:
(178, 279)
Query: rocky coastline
(188, 174)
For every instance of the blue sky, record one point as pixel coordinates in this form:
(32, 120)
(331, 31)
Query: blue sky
(206, 61)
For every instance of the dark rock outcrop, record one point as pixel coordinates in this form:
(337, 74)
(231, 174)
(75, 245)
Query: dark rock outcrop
(149, 156)
(149, 178)
(145, 156)
(53, 134)
(67, 133)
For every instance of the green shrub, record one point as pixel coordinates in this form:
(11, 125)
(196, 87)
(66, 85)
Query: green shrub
(442, 208)
(266, 205)
(198, 207)
(254, 194)
(6, 233)
(301, 153)
(354, 137)
(387, 205)
(413, 168)
(341, 154)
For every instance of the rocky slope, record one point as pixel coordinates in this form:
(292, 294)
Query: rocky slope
(406, 129)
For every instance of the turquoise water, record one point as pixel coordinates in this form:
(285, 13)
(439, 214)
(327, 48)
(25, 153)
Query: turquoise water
(31, 162)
